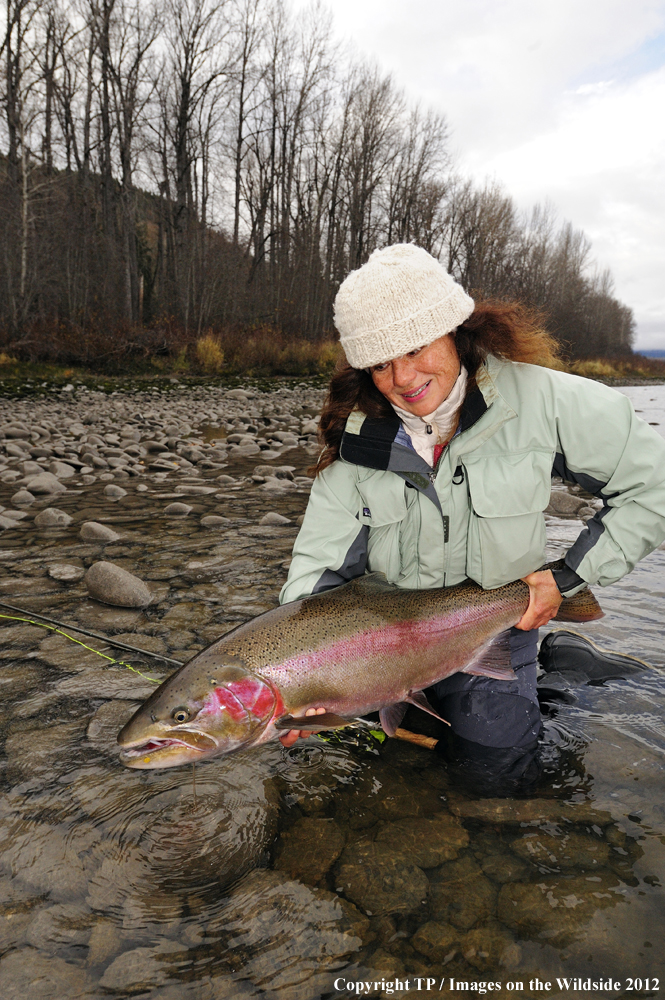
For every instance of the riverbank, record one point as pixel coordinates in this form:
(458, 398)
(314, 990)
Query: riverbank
(24, 378)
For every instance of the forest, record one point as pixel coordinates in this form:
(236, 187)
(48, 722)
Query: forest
(195, 171)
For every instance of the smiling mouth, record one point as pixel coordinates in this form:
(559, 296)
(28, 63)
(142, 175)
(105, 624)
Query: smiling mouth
(416, 393)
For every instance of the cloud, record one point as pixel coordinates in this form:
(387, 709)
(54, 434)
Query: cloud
(560, 102)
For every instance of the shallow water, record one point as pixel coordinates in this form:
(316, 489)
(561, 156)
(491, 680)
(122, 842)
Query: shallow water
(275, 873)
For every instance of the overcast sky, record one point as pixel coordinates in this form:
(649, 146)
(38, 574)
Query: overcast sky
(561, 101)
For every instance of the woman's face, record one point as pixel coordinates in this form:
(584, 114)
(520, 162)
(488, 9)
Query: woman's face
(420, 380)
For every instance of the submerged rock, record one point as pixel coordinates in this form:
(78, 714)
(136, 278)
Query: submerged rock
(428, 841)
(570, 850)
(93, 531)
(309, 848)
(438, 941)
(44, 483)
(284, 934)
(214, 521)
(51, 517)
(23, 498)
(273, 518)
(140, 968)
(380, 880)
(555, 908)
(178, 508)
(114, 491)
(112, 585)
(32, 976)
(461, 894)
(65, 572)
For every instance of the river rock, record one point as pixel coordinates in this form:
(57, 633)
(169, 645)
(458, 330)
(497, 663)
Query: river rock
(506, 868)
(114, 491)
(214, 521)
(65, 572)
(461, 894)
(514, 812)
(47, 859)
(112, 585)
(178, 508)
(29, 975)
(571, 850)
(45, 483)
(380, 880)
(107, 722)
(564, 504)
(428, 841)
(186, 490)
(285, 934)
(554, 908)
(51, 517)
(157, 844)
(23, 498)
(275, 471)
(309, 848)
(489, 948)
(62, 470)
(60, 927)
(140, 968)
(273, 518)
(436, 940)
(93, 531)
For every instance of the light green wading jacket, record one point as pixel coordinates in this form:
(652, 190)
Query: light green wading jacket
(380, 506)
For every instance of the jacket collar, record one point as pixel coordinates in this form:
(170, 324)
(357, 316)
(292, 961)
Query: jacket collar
(370, 442)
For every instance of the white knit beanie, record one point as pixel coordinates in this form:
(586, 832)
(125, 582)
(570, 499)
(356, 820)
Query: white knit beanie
(401, 299)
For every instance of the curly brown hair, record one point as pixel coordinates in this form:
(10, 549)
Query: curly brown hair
(506, 329)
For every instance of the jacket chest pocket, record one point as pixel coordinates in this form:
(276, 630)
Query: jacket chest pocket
(507, 495)
(384, 511)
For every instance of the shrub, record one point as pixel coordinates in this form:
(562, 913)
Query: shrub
(210, 354)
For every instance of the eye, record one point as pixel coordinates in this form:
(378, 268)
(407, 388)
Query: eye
(379, 368)
(180, 714)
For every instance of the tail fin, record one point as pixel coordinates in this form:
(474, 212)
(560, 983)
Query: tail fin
(581, 607)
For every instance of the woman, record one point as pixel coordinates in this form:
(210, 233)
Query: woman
(441, 437)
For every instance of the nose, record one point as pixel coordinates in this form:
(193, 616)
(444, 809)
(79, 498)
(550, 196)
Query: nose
(403, 371)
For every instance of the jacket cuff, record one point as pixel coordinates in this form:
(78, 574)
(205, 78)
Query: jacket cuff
(568, 581)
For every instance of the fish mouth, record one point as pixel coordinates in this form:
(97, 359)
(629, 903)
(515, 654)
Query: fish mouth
(181, 747)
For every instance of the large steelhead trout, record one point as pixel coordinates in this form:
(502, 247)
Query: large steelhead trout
(363, 647)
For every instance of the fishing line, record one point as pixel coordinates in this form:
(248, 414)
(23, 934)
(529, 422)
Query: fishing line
(120, 663)
(90, 633)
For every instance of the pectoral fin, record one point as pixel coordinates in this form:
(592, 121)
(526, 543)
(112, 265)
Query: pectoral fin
(391, 717)
(312, 723)
(493, 660)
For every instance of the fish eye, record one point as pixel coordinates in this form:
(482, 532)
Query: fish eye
(180, 714)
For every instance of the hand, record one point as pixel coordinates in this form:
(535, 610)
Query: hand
(544, 600)
(289, 738)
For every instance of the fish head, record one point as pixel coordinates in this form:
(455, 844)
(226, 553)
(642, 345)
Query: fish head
(202, 711)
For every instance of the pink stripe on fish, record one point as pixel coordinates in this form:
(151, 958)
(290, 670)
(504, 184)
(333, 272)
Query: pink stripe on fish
(383, 641)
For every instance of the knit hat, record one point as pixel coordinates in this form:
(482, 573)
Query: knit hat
(401, 299)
